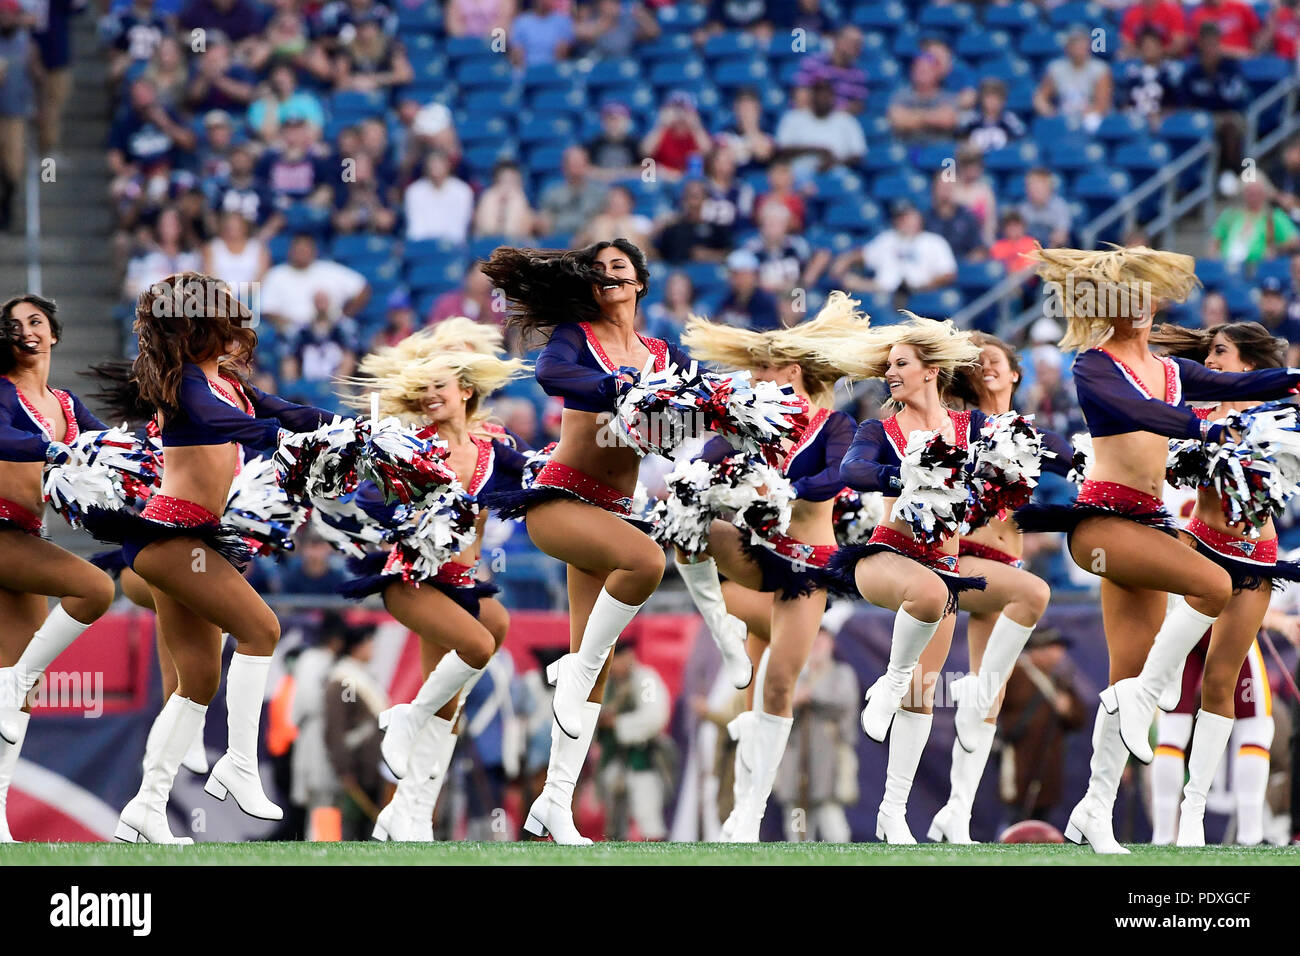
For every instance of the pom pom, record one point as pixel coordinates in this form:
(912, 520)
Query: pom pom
(533, 462)
(855, 515)
(1005, 460)
(439, 532)
(348, 528)
(261, 510)
(406, 465)
(935, 498)
(320, 463)
(73, 488)
(700, 492)
(1081, 463)
(109, 468)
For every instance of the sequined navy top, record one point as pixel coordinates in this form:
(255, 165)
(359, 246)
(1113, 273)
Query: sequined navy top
(25, 435)
(497, 468)
(1115, 402)
(873, 461)
(813, 462)
(573, 366)
(216, 413)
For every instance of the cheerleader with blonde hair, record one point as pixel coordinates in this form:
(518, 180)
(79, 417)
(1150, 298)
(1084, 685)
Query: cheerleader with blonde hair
(918, 581)
(459, 624)
(791, 565)
(1133, 402)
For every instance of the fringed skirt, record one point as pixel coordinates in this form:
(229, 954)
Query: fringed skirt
(1250, 564)
(843, 566)
(790, 568)
(14, 517)
(1098, 499)
(455, 580)
(164, 518)
(973, 549)
(560, 481)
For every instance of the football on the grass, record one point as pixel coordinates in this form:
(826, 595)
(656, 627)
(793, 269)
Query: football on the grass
(1031, 831)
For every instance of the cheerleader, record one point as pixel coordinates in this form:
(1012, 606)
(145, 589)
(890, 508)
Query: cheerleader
(188, 369)
(1226, 660)
(919, 582)
(790, 566)
(460, 626)
(1132, 403)
(578, 509)
(1005, 613)
(37, 423)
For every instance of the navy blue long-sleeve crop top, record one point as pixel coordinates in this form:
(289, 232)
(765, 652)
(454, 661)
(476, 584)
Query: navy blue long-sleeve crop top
(873, 461)
(25, 435)
(216, 413)
(1115, 402)
(574, 366)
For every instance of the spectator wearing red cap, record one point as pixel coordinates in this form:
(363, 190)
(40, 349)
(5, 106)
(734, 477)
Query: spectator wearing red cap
(1238, 24)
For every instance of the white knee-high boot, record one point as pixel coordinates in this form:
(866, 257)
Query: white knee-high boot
(884, 697)
(1250, 770)
(574, 675)
(976, 693)
(952, 822)
(906, 743)
(1135, 698)
(51, 639)
(552, 811)
(144, 819)
(771, 734)
(1168, 773)
(1208, 743)
(237, 773)
(403, 724)
(729, 632)
(400, 820)
(8, 761)
(741, 730)
(1091, 820)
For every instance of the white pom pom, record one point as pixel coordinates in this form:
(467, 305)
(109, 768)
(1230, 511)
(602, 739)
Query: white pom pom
(261, 509)
(935, 498)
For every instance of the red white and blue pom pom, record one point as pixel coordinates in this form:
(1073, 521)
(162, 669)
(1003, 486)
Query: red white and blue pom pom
(439, 532)
(321, 463)
(406, 465)
(754, 416)
(1256, 475)
(261, 511)
(700, 492)
(350, 529)
(533, 463)
(1081, 463)
(935, 498)
(109, 468)
(1005, 463)
(855, 515)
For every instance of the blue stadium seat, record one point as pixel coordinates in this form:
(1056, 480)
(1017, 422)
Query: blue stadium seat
(604, 73)
(780, 47)
(732, 74)
(1186, 126)
(931, 158)
(479, 160)
(493, 73)
(278, 247)
(542, 76)
(425, 250)
(935, 304)
(891, 157)
(1097, 190)
(1076, 12)
(879, 16)
(377, 271)
(883, 73)
(729, 45)
(483, 246)
(682, 17)
(1070, 158)
(1014, 159)
(303, 218)
(428, 65)
(477, 129)
(1140, 158)
(837, 184)
(978, 44)
(462, 48)
(362, 245)
(1020, 96)
(1009, 69)
(1279, 269)
(435, 275)
(544, 129)
(418, 18)
(357, 103)
(668, 46)
(489, 102)
(1211, 272)
(1041, 44)
(545, 157)
(853, 216)
(974, 278)
(952, 17)
(685, 73)
(1014, 17)
(1262, 72)
(1121, 127)
(900, 185)
(705, 274)
(1242, 298)
(559, 101)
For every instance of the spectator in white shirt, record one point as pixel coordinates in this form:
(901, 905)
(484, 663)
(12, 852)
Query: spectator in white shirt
(903, 258)
(821, 137)
(290, 290)
(438, 205)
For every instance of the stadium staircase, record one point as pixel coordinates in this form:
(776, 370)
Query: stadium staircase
(60, 246)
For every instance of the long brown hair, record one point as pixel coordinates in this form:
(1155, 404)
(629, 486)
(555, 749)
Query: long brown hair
(549, 287)
(187, 317)
(1257, 346)
(968, 381)
(12, 331)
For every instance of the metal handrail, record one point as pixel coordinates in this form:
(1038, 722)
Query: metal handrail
(1129, 202)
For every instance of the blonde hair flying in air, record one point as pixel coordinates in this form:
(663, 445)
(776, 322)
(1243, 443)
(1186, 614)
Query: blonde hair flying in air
(939, 344)
(802, 344)
(1095, 289)
(401, 386)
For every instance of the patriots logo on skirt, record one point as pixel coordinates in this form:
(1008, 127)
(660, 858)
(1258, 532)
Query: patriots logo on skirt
(1247, 548)
(949, 562)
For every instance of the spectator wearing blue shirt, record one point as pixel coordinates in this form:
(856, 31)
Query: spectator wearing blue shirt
(17, 102)
(244, 193)
(322, 350)
(298, 171)
(1149, 85)
(1214, 82)
(311, 569)
(146, 135)
(217, 81)
(747, 305)
(237, 19)
(543, 35)
(53, 36)
(1276, 317)
(955, 223)
(133, 35)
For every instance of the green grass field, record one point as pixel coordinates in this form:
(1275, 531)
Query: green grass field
(623, 854)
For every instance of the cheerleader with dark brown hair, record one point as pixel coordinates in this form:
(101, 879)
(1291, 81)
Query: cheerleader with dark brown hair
(195, 337)
(1230, 663)
(36, 424)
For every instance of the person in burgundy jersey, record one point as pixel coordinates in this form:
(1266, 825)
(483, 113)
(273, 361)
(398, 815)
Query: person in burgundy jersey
(1133, 402)
(578, 508)
(36, 424)
(1226, 662)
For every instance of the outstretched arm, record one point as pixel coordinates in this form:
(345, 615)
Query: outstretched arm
(560, 375)
(864, 467)
(1103, 389)
(827, 483)
(1203, 384)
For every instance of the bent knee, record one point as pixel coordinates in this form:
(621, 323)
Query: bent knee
(99, 595)
(478, 652)
(1214, 595)
(646, 563)
(262, 636)
(1037, 596)
(926, 600)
